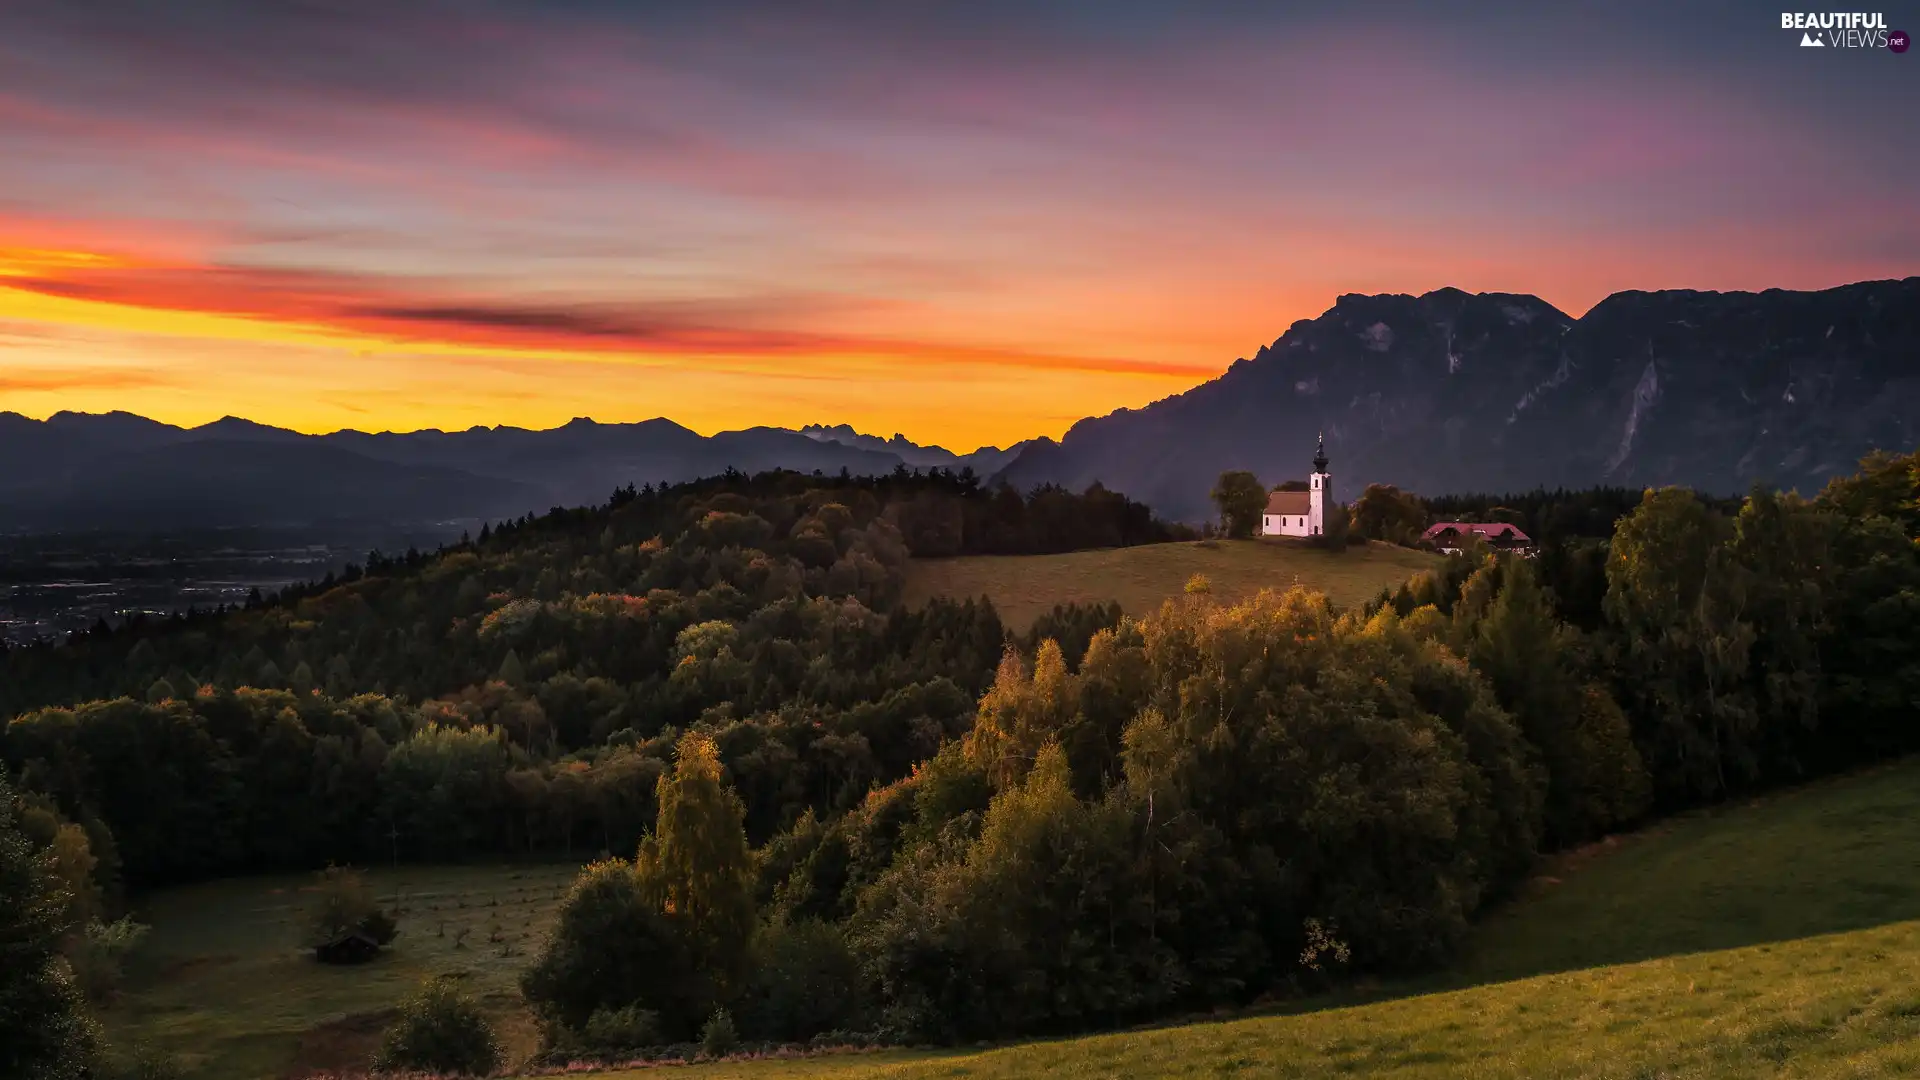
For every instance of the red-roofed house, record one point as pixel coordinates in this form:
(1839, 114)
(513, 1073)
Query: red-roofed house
(1449, 536)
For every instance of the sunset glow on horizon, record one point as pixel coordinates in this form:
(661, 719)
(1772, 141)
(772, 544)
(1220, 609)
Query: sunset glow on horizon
(967, 230)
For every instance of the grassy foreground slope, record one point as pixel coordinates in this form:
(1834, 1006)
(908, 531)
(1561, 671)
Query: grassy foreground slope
(1023, 587)
(221, 983)
(1769, 939)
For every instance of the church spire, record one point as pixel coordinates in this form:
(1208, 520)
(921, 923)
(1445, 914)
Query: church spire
(1320, 459)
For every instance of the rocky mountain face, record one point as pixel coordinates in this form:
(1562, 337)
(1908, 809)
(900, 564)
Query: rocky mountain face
(125, 472)
(1492, 392)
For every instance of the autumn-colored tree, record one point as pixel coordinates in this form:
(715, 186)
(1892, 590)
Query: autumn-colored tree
(71, 860)
(697, 864)
(1023, 711)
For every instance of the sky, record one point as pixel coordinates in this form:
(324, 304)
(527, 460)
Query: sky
(967, 223)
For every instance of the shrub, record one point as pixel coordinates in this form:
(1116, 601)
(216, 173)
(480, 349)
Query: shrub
(97, 955)
(719, 1038)
(620, 1029)
(344, 910)
(805, 981)
(440, 1030)
(611, 948)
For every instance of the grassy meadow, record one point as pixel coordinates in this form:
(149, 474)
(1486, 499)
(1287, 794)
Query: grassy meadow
(1023, 587)
(221, 982)
(1767, 939)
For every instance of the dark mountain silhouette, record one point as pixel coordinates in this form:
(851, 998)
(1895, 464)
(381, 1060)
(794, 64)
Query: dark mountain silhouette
(78, 470)
(1489, 392)
(256, 482)
(985, 461)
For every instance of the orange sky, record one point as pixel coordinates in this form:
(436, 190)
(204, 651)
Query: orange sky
(528, 219)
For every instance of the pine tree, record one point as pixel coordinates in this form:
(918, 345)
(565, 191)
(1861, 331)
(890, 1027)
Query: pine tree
(511, 672)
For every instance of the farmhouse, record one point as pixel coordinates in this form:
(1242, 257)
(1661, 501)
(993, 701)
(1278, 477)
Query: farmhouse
(1449, 536)
(1301, 513)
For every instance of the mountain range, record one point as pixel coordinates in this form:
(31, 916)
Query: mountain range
(1452, 392)
(118, 470)
(1444, 392)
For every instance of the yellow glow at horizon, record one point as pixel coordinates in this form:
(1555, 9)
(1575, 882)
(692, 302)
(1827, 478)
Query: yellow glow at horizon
(955, 402)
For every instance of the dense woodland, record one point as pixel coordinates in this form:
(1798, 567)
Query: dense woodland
(822, 812)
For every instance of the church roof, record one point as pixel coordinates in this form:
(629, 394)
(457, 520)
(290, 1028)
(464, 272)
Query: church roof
(1289, 502)
(1490, 530)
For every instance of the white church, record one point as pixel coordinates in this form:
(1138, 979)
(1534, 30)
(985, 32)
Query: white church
(1301, 513)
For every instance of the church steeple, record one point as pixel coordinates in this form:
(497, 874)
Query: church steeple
(1320, 459)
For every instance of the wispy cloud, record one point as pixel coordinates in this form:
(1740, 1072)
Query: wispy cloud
(44, 380)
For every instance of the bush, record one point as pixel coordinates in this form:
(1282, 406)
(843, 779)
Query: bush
(620, 1029)
(719, 1038)
(343, 909)
(98, 954)
(805, 981)
(440, 1030)
(611, 948)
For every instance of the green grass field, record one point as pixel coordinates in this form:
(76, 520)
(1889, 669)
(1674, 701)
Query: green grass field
(1772, 939)
(221, 983)
(1023, 587)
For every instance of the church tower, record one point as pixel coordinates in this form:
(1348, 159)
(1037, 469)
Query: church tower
(1320, 490)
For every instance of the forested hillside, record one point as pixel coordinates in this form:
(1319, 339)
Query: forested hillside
(829, 813)
(520, 691)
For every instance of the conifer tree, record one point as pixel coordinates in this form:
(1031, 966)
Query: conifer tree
(511, 672)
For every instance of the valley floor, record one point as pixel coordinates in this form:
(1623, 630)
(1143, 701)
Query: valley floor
(1024, 587)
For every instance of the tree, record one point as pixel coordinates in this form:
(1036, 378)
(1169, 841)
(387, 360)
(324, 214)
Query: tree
(1335, 528)
(440, 1030)
(1595, 780)
(697, 864)
(612, 948)
(1384, 512)
(1655, 567)
(511, 672)
(45, 1032)
(345, 923)
(1025, 710)
(1241, 499)
(805, 981)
